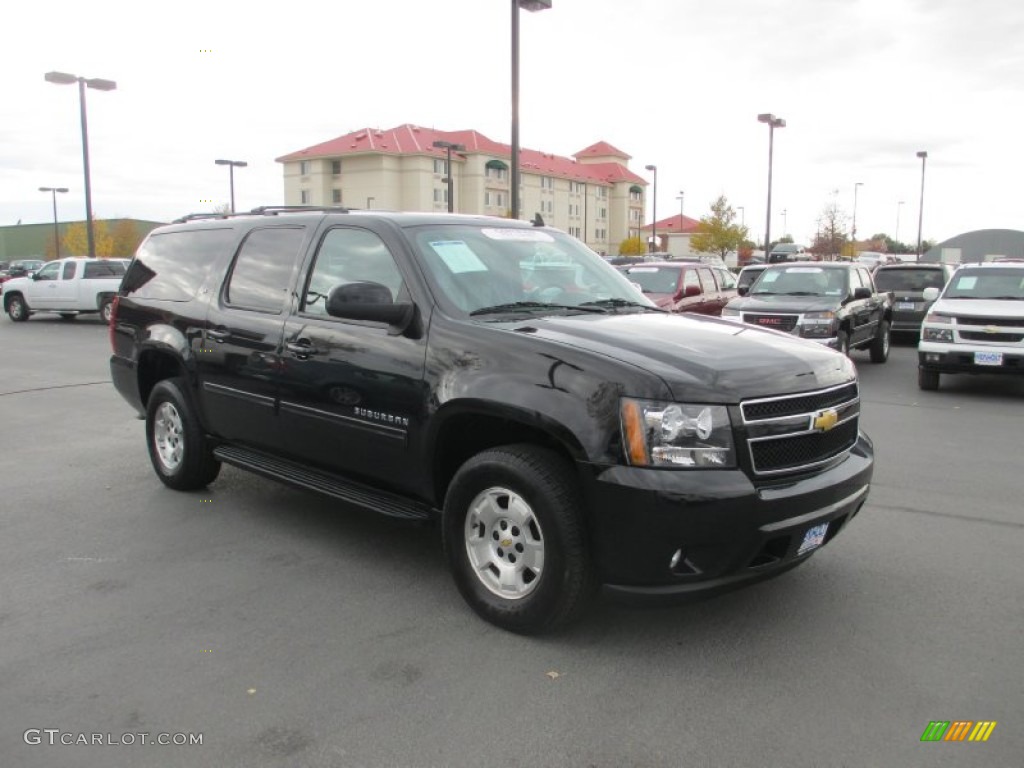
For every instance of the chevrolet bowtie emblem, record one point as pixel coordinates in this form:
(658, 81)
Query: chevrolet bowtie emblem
(825, 420)
(991, 329)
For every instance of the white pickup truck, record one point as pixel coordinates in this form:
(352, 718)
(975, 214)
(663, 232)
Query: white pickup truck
(70, 287)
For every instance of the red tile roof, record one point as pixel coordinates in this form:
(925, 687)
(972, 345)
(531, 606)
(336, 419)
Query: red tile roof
(602, 149)
(413, 140)
(671, 224)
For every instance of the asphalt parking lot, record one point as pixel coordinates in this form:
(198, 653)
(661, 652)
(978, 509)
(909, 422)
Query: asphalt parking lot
(289, 632)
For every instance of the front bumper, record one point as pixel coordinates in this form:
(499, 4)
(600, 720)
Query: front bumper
(676, 532)
(944, 357)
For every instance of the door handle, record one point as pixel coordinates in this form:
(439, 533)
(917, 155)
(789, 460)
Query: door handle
(219, 335)
(302, 348)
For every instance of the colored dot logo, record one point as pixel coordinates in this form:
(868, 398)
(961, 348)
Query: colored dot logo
(206, 50)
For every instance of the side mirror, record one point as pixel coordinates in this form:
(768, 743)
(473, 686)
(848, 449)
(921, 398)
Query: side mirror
(931, 294)
(691, 290)
(742, 290)
(861, 293)
(368, 301)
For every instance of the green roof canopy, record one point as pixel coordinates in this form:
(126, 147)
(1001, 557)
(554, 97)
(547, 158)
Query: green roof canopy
(498, 164)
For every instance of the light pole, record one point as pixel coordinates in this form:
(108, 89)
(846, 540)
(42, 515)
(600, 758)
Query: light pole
(743, 215)
(63, 78)
(654, 208)
(232, 164)
(773, 123)
(899, 205)
(449, 146)
(56, 231)
(853, 235)
(920, 210)
(530, 5)
(785, 227)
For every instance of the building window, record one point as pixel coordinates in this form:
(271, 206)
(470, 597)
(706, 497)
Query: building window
(499, 174)
(439, 166)
(336, 167)
(636, 197)
(304, 167)
(441, 195)
(602, 213)
(601, 192)
(304, 197)
(546, 182)
(336, 196)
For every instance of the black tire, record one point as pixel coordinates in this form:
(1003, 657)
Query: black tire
(843, 342)
(927, 379)
(17, 309)
(68, 315)
(106, 309)
(536, 485)
(880, 344)
(177, 447)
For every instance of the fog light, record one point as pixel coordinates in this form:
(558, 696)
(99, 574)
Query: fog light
(932, 357)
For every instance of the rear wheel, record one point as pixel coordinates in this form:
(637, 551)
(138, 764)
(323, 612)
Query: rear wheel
(106, 310)
(927, 379)
(177, 447)
(880, 344)
(514, 538)
(17, 309)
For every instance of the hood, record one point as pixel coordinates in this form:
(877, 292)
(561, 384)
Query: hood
(980, 308)
(15, 283)
(793, 304)
(703, 359)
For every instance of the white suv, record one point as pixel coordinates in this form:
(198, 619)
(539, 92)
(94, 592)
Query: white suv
(976, 324)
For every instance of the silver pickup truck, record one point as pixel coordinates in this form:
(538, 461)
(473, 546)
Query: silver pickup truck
(70, 287)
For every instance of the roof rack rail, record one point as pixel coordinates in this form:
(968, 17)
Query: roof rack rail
(273, 210)
(195, 216)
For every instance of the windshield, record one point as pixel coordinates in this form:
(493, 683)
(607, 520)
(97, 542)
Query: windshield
(991, 283)
(655, 279)
(909, 279)
(801, 281)
(494, 269)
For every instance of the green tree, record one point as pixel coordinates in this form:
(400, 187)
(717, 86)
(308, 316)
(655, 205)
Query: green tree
(718, 232)
(632, 246)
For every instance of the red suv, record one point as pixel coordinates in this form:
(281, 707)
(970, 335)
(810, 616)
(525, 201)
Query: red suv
(684, 286)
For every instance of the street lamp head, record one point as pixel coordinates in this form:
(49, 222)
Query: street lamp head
(535, 5)
(100, 84)
(922, 154)
(651, 167)
(61, 78)
(53, 189)
(235, 163)
(449, 145)
(765, 117)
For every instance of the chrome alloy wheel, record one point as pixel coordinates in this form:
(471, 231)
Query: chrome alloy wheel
(504, 543)
(168, 437)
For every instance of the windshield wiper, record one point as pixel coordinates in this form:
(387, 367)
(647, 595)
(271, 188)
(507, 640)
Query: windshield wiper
(620, 303)
(1006, 298)
(801, 293)
(530, 306)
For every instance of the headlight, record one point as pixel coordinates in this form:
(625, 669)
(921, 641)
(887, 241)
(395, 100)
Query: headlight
(726, 312)
(935, 318)
(659, 434)
(937, 334)
(818, 325)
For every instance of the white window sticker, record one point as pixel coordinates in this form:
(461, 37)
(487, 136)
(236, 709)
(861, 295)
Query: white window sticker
(770, 277)
(519, 235)
(804, 270)
(635, 270)
(966, 283)
(458, 256)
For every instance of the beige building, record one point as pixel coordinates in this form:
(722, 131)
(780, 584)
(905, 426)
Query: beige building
(593, 196)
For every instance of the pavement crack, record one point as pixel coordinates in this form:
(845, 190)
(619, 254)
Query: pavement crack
(55, 386)
(951, 515)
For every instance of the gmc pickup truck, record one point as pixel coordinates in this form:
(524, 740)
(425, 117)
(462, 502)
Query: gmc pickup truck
(833, 303)
(70, 287)
(500, 378)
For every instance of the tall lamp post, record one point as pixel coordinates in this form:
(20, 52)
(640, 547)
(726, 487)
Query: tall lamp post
(920, 210)
(232, 164)
(773, 122)
(785, 225)
(743, 215)
(449, 147)
(63, 78)
(56, 231)
(529, 5)
(681, 197)
(853, 232)
(899, 206)
(654, 208)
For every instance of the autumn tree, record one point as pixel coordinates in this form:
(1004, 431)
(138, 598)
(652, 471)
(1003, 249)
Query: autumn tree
(632, 246)
(76, 239)
(126, 239)
(718, 232)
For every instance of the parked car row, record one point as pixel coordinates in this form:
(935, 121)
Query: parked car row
(684, 286)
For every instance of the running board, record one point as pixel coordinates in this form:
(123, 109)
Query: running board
(315, 480)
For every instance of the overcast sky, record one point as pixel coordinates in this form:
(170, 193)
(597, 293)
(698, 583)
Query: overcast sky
(863, 85)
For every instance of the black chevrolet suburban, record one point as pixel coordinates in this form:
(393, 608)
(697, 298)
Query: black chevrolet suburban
(500, 377)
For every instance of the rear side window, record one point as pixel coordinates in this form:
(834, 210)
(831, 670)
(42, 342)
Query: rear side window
(172, 266)
(262, 271)
(69, 270)
(94, 270)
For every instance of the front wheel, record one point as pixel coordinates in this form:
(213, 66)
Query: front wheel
(106, 310)
(17, 309)
(880, 344)
(514, 539)
(177, 447)
(927, 380)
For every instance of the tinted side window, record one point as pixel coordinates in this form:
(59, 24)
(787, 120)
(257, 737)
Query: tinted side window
(69, 270)
(100, 269)
(173, 265)
(263, 268)
(350, 256)
(690, 278)
(855, 282)
(707, 280)
(726, 279)
(49, 272)
(865, 278)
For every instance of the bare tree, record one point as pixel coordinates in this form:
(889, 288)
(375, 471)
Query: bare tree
(831, 237)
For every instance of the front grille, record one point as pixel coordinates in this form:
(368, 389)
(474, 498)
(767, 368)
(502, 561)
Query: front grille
(791, 453)
(1004, 322)
(1006, 338)
(794, 405)
(776, 322)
